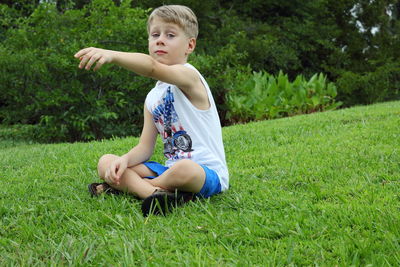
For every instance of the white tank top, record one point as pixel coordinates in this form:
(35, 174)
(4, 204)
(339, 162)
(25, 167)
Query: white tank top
(186, 131)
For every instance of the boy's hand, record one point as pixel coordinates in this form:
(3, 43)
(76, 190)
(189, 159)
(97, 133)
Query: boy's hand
(115, 171)
(91, 55)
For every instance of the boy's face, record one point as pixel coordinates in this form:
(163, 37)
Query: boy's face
(168, 43)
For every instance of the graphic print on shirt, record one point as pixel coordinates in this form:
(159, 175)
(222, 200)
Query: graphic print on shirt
(177, 143)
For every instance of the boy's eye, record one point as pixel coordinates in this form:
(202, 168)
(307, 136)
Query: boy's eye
(155, 35)
(170, 35)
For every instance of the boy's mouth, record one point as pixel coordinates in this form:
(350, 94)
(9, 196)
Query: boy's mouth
(161, 52)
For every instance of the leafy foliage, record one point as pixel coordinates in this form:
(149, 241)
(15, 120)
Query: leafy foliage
(265, 96)
(380, 85)
(41, 84)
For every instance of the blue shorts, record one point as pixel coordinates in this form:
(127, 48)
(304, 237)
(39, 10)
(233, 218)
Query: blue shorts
(211, 186)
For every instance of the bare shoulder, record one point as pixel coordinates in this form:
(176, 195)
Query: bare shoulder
(179, 75)
(188, 80)
(196, 92)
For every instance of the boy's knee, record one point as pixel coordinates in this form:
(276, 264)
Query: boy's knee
(185, 170)
(183, 166)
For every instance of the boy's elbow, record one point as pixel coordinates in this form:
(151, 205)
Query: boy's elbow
(149, 153)
(146, 150)
(151, 70)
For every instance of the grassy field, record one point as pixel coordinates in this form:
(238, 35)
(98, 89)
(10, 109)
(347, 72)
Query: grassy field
(320, 189)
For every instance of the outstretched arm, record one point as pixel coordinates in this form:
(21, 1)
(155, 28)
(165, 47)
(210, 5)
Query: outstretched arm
(142, 64)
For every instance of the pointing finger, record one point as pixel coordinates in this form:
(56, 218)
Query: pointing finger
(86, 58)
(92, 60)
(82, 52)
(99, 63)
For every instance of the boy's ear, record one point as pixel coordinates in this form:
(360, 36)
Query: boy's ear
(191, 46)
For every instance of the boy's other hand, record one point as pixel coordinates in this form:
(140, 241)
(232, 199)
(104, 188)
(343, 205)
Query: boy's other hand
(115, 171)
(91, 55)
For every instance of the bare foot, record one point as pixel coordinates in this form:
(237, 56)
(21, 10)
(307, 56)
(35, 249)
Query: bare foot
(100, 189)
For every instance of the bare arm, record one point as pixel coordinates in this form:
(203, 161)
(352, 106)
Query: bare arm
(139, 154)
(145, 148)
(142, 64)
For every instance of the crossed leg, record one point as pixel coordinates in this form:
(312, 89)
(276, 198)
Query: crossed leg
(184, 175)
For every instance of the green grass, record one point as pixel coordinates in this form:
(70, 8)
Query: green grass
(320, 189)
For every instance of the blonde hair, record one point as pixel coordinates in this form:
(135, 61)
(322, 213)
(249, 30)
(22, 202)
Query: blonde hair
(180, 15)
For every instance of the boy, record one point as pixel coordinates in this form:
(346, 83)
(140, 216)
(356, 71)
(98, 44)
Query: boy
(180, 108)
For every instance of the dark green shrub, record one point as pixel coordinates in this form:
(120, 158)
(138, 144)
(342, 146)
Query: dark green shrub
(264, 96)
(381, 85)
(40, 82)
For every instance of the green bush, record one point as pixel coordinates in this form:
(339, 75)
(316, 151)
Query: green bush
(40, 82)
(381, 85)
(264, 96)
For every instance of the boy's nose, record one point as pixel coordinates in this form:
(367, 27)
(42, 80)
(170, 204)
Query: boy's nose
(160, 40)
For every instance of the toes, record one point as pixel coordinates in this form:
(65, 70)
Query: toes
(100, 189)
